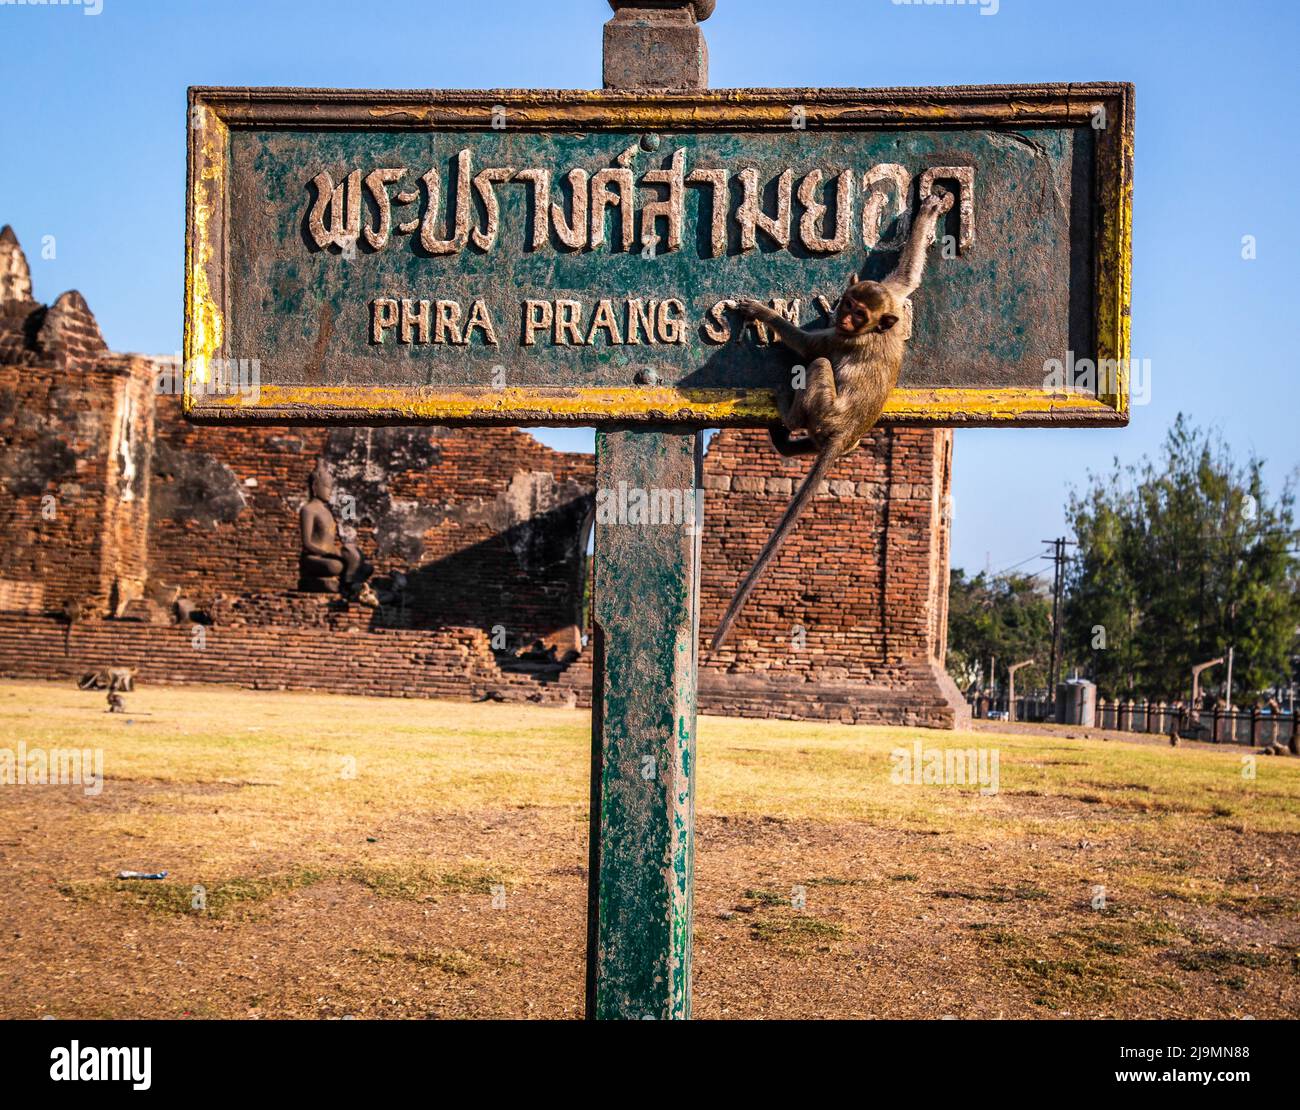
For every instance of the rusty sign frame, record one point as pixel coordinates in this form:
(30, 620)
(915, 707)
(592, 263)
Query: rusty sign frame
(213, 112)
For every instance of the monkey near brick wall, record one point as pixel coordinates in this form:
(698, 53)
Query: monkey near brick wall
(850, 369)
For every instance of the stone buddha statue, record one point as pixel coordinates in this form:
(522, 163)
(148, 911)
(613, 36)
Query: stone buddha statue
(325, 565)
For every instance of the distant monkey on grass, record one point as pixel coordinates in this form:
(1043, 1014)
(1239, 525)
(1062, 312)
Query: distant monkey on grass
(119, 679)
(851, 368)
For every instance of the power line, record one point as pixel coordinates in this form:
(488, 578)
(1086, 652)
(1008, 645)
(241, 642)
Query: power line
(1003, 570)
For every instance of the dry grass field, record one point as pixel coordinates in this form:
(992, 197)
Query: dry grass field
(348, 849)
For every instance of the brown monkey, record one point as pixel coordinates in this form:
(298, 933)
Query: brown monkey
(851, 368)
(119, 679)
(71, 614)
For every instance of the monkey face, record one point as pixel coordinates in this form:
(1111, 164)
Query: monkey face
(866, 306)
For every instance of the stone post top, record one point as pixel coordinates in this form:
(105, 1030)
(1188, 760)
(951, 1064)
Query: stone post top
(656, 44)
(701, 9)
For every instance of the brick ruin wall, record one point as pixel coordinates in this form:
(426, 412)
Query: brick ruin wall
(486, 526)
(114, 507)
(849, 621)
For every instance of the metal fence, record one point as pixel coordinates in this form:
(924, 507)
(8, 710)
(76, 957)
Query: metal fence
(1257, 725)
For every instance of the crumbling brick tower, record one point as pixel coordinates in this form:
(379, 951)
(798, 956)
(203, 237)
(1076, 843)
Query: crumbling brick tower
(75, 426)
(850, 621)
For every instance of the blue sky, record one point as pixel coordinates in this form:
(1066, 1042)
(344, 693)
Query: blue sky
(92, 153)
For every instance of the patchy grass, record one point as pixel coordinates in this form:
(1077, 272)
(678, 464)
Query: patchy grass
(220, 899)
(476, 878)
(798, 933)
(1218, 959)
(1242, 897)
(363, 754)
(223, 897)
(997, 894)
(418, 882)
(1066, 981)
(453, 961)
(411, 881)
(349, 848)
(767, 897)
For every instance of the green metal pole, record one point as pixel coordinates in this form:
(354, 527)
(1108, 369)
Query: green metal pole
(645, 618)
(645, 624)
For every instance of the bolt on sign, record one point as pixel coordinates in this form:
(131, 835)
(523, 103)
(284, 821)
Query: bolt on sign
(547, 257)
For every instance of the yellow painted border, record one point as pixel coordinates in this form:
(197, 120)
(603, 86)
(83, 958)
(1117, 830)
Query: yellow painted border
(213, 111)
(1115, 251)
(389, 404)
(204, 247)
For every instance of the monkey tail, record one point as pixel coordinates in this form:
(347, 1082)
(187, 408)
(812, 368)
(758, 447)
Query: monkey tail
(779, 535)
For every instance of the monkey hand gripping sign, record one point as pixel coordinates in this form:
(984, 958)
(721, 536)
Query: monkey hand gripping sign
(850, 369)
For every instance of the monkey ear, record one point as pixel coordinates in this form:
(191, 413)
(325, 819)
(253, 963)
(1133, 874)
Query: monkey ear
(853, 280)
(887, 321)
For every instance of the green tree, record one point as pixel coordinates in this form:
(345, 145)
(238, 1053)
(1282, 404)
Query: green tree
(1008, 616)
(1099, 622)
(1178, 559)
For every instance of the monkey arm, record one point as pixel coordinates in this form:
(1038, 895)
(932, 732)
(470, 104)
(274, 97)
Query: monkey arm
(799, 341)
(911, 263)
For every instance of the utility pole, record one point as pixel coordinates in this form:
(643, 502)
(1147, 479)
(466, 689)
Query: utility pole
(1228, 697)
(1058, 588)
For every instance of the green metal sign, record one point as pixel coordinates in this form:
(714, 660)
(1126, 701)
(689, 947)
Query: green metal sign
(573, 257)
